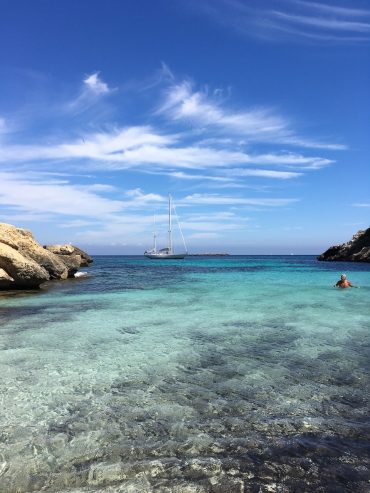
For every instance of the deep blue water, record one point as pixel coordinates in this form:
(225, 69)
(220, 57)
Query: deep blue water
(239, 373)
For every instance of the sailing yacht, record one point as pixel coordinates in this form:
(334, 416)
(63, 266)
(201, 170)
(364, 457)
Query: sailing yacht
(168, 252)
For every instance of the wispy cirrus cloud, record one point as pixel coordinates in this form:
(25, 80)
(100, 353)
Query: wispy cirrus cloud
(181, 175)
(94, 83)
(3, 126)
(320, 23)
(362, 204)
(266, 173)
(133, 147)
(183, 103)
(204, 236)
(234, 173)
(333, 10)
(93, 89)
(6, 127)
(224, 149)
(290, 20)
(140, 198)
(22, 192)
(216, 199)
(31, 197)
(209, 225)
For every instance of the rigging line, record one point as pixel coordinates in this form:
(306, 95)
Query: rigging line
(178, 223)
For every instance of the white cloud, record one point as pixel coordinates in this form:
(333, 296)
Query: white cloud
(134, 147)
(295, 20)
(213, 216)
(209, 226)
(95, 84)
(53, 197)
(326, 23)
(363, 204)
(204, 236)
(25, 216)
(215, 199)
(182, 102)
(186, 176)
(77, 223)
(334, 10)
(3, 126)
(139, 198)
(266, 173)
(7, 127)
(129, 228)
(74, 198)
(292, 228)
(259, 124)
(92, 92)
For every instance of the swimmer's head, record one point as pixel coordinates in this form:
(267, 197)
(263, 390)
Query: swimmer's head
(343, 276)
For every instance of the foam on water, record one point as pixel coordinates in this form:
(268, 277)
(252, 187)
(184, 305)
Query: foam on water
(195, 375)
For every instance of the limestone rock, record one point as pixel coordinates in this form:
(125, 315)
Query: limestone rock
(27, 274)
(6, 282)
(23, 241)
(60, 249)
(25, 264)
(355, 250)
(72, 257)
(86, 259)
(73, 263)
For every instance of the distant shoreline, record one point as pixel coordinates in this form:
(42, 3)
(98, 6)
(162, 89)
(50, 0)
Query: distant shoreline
(208, 254)
(213, 254)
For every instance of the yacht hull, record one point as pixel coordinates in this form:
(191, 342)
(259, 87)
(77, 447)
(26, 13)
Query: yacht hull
(165, 256)
(166, 253)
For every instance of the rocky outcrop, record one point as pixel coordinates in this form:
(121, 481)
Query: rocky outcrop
(355, 250)
(71, 256)
(25, 264)
(6, 281)
(26, 273)
(22, 240)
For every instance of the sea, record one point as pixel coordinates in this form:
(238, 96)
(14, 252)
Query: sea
(208, 374)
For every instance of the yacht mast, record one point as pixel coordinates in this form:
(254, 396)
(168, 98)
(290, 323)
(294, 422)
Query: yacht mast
(155, 237)
(169, 225)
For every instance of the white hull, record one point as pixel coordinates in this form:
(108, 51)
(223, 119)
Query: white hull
(165, 256)
(167, 252)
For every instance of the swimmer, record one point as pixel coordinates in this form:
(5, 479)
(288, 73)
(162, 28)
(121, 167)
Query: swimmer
(344, 283)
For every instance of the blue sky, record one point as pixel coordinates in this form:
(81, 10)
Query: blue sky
(254, 115)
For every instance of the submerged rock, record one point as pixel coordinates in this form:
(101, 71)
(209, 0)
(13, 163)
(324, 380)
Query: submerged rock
(25, 264)
(355, 250)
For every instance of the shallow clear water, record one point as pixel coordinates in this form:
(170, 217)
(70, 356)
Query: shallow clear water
(200, 375)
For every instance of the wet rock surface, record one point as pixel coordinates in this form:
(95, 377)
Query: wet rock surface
(25, 264)
(355, 250)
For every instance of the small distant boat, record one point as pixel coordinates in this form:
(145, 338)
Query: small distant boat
(168, 252)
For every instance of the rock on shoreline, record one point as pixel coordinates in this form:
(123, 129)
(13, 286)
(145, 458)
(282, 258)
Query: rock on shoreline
(25, 264)
(355, 250)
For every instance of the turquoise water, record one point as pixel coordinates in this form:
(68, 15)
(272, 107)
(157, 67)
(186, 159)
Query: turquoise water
(224, 374)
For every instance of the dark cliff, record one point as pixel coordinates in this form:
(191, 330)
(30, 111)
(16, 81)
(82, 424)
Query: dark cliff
(355, 250)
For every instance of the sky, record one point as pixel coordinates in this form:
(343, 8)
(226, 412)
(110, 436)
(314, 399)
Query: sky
(254, 115)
